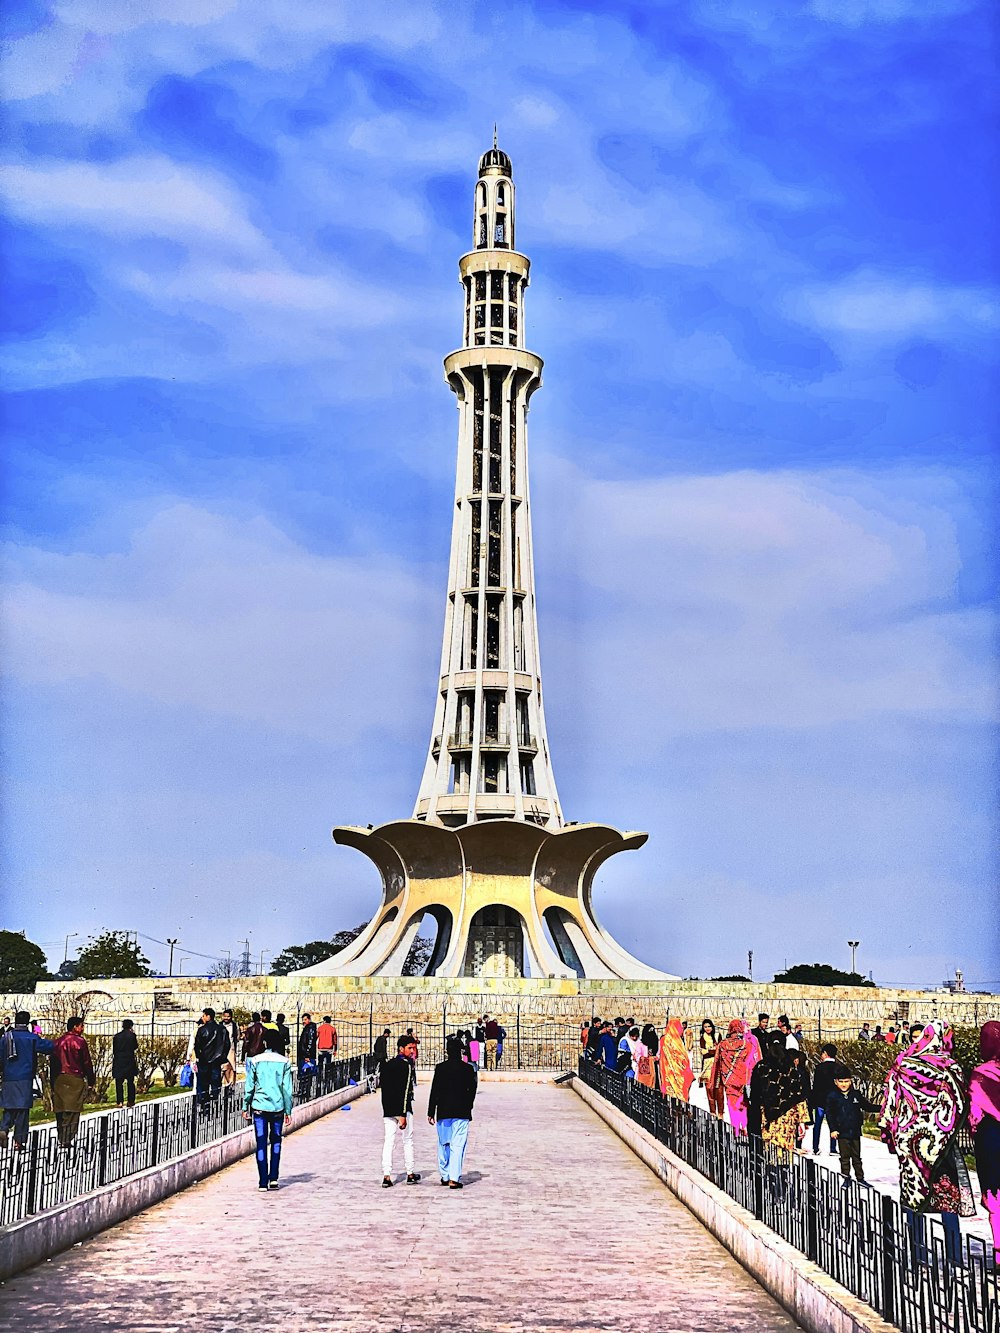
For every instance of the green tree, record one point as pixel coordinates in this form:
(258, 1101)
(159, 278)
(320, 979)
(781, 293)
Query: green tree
(111, 954)
(820, 974)
(22, 964)
(296, 956)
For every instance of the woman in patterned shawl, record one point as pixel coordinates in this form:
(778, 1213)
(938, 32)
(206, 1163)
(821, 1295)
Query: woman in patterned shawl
(675, 1068)
(924, 1107)
(735, 1057)
(984, 1122)
(781, 1091)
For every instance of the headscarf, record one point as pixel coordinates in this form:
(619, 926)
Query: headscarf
(735, 1057)
(782, 1084)
(924, 1106)
(650, 1038)
(984, 1081)
(675, 1068)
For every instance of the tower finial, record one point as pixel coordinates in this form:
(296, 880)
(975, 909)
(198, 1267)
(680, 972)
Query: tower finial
(494, 134)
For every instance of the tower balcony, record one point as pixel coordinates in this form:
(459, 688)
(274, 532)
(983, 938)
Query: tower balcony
(464, 740)
(527, 744)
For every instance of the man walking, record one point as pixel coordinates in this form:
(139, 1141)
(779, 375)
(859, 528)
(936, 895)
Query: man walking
(822, 1085)
(326, 1048)
(73, 1072)
(381, 1048)
(305, 1051)
(124, 1062)
(761, 1032)
(233, 1033)
(453, 1090)
(211, 1046)
(19, 1052)
(253, 1038)
(267, 1100)
(398, 1081)
(492, 1029)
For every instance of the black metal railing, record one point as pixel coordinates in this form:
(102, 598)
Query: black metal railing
(113, 1145)
(904, 1265)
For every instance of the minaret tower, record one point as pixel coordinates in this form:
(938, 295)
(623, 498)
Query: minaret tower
(489, 754)
(486, 852)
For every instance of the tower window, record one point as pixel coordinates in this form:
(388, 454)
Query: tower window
(482, 232)
(500, 231)
(494, 773)
(513, 453)
(528, 777)
(477, 434)
(461, 772)
(496, 315)
(496, 286)
(496, 422)
(493, 605)
(474, 541)
(518, 636)
(512, 280)
(493, 711)
(480, 286)
(501, 196)
(493, 554)
(470, 636)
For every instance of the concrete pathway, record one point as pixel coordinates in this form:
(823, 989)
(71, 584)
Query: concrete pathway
(559, 1228)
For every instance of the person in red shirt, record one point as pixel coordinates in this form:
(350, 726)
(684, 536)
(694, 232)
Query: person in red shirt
(73, 1074)
(326, 1048)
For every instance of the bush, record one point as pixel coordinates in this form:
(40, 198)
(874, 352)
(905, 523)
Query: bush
(870, 1061)
(170, 1053)
(101, 1055)
(148, 1060)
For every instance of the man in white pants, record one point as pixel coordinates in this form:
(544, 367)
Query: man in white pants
(399, 1078)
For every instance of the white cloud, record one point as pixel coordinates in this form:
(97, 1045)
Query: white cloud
(140, 196)
(765, 600)
(894, 306)
(228, 618)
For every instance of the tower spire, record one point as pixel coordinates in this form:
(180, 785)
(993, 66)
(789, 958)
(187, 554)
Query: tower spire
(489, 755)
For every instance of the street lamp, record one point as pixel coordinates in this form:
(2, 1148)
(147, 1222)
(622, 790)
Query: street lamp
(262, 953)
(170, 965)
(180, 965)
(71, 936)
(853, 945)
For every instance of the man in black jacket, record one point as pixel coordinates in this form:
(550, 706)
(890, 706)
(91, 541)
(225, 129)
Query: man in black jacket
(453, 1090)
(124, 1064)
(305, 1050)
(399, 1078)
(211, 1046)
(822, 1083)
(381, 1048)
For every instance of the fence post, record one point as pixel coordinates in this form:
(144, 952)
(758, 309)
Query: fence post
(444, 1024)
(371, 1025)
(812, 1219)
(34, 1144)
(819, 1022)
(194, 1121)
(888, 1261)
(155, 1137)
(102, 1169)
(519, 1034)
(152, 1020)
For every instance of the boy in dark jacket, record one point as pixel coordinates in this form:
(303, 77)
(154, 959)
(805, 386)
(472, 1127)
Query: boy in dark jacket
(453, 1090)
(845, 1113)
(398, 1079)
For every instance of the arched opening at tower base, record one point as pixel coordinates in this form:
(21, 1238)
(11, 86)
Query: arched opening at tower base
(496, 943)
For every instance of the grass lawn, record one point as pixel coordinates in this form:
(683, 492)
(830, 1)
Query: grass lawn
(40, 1116)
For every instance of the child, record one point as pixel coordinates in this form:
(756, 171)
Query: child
(845, 1113)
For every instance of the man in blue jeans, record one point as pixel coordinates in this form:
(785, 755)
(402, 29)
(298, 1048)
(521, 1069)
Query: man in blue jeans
(453, 1091)
(822, 1085)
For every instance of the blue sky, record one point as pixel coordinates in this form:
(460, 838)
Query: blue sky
(765, 287)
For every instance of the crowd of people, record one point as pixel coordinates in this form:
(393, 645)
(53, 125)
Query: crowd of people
(761, 1081)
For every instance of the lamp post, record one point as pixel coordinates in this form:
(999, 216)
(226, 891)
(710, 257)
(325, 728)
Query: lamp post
(262, 953)
(170, 965)
(853, 945)
(180, 965)
(750, 963)
(71, 936)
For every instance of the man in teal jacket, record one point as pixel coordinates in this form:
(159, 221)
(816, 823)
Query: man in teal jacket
(267, 1100)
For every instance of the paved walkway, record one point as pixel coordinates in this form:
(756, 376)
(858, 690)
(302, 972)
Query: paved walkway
(560, 1227)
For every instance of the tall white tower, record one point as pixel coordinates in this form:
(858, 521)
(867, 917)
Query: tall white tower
(486, 852)
(489, 754)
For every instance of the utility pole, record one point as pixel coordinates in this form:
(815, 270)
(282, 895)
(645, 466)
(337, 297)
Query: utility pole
(180, 965)
(853, 945)
(71, 936)
(262, 953)
(170, 965)
(750, 963)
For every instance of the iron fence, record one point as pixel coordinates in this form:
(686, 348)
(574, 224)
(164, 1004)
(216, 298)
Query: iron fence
(904, 1265)
(113, 1145)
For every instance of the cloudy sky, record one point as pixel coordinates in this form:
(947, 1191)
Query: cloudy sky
(765, 287)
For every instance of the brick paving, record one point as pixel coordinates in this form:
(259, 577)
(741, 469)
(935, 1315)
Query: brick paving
(559, 1228)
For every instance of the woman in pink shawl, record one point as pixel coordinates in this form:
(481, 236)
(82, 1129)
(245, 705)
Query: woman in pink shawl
(984, 1122)
(735, 1057)
(925, 1105)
